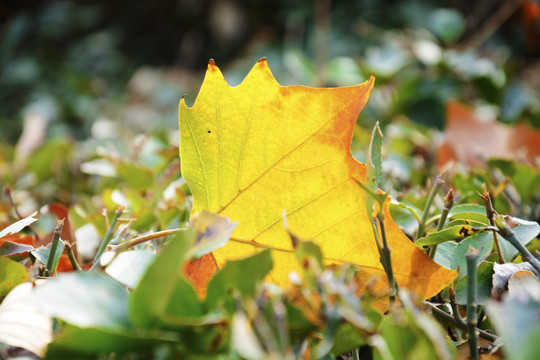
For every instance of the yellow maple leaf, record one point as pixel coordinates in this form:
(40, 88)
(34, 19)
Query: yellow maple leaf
(253, 151)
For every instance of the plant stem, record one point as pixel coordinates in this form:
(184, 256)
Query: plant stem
(108, 237)
(54, 247)
(454, 305)
(482, 333)
(507, 233)
(422, 227)
(448, 203)
(71, 256)
(386, 258)
(472, 259)
(490, 213)
(144, 238)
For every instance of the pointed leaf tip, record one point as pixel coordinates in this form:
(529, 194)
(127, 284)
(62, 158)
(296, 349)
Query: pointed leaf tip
(212, 65)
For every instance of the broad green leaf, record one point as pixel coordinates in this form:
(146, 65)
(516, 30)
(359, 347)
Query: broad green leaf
(471, 216)
(516, 321)
(444, 253)
(483, 242)
(152, 295)
(256, 150)
(467, 208)
(241, 276)
(74, 342)
(85, 299)
(11, 275)
(483, 284)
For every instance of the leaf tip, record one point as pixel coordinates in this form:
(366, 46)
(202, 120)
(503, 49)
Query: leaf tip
(212, 65)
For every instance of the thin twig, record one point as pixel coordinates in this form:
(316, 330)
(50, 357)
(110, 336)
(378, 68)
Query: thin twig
(7, 192)
(472, 295)
(482, 333)
(499, 17)
(448, 203)
(490, 213)
(386, 258)
(71, 256)
(108, 237)
(454, 305)
(422, 227)
(144, 238)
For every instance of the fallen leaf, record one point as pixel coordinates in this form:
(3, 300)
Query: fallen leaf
(504, 273)
(257, 150)
(471, 139)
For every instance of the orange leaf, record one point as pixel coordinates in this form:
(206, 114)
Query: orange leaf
(199, 272)
(472, 139)
(256, 150)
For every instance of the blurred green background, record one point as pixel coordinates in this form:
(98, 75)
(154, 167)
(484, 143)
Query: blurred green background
(130, 61)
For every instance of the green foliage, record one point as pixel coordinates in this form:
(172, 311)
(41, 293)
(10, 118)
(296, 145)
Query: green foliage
(141, 305)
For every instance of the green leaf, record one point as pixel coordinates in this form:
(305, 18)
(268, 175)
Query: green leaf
(516, 321)
(348, 338)
(42, 254)
(444, 253)
(308, 249)
(526, 181)
(471, 216)
(152, 295)
(525, 232)
(483, 242)
(11, 275)
(85, 299)
(483, 284)
(15, 251)
(467, 208)
(373, 166)
(459, 222)
(48, 158)
(447, 24)
(74, 342)
(136, 176)
(241, 276)
(454, 233)
(411, 334)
